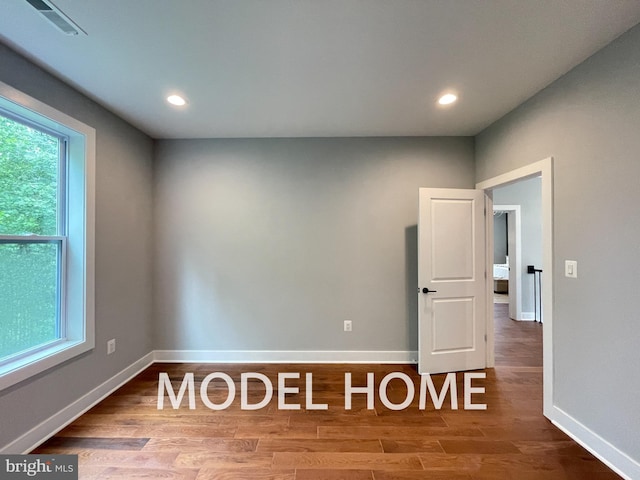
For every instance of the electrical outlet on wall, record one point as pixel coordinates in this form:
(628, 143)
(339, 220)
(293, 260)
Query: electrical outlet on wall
(348, 326)
(111, 346)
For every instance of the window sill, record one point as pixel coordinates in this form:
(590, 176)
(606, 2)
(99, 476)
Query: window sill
(30, 365)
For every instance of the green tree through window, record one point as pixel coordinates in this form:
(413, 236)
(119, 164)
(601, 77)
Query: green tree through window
(30, 214)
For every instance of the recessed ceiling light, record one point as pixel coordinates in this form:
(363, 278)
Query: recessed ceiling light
(176, 100)
(447, 99)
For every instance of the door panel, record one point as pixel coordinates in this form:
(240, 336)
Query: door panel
(452, 239)
(451, 316)
(453, 325)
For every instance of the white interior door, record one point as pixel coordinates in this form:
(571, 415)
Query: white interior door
(451, 281)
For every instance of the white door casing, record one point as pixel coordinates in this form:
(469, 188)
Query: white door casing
(544, 169)
(451, 266)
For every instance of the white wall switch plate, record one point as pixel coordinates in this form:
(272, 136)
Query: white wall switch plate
(571, 268)
(348, 326)
(111, 346)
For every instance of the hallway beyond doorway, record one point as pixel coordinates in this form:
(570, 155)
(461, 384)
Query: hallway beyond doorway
(518, 344)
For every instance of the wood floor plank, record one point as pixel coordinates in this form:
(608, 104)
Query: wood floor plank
(277, 431)
(397, 432)
(558, 447)
(273, 445)
(481, 464)
(354, 414)
(106, 431)
(215, 473)
(326, 474)
(431, 420)
(147, 431)
(396, 475)
(522, 432)
(228, 460)
(478, 446)
(119, 473)
(124, 419)
(473, 463)
(96, 443)
(201, 445)
(350, 461)
(492, 419)
(169, 418)
(411, 446)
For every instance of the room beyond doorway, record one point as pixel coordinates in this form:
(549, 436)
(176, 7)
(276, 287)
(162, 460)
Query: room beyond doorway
(521, 243)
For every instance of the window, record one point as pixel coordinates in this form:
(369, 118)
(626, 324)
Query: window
(46, 236)
(32, 237)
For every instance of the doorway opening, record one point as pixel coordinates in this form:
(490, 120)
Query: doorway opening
(544, 170)
(507, 258)
(517, 244)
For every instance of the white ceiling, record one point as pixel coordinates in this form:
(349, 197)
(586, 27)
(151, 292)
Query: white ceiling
(314, 68)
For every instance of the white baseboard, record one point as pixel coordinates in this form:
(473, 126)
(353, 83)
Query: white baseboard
(291, 356)
(608, 454)
(527, 317)
(64, 417)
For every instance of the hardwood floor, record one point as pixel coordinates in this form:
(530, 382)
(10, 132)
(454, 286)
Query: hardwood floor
(126, 437)
(518, 344)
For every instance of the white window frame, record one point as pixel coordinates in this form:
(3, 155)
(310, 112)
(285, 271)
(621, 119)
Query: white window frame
(78, 245)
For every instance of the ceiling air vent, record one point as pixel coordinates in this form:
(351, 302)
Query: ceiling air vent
(52, 13)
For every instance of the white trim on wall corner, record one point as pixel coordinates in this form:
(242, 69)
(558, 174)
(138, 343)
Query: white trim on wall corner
(614, 458)
(285, 356)
(55, 423)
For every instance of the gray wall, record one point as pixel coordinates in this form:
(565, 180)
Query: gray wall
(270, 244)
(123, 254)
(500, 238)
(527, 194)
(589, 121)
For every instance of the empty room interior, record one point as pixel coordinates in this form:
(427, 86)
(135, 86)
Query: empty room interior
(254, 239)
